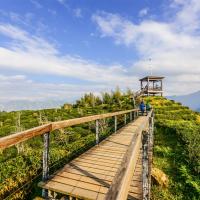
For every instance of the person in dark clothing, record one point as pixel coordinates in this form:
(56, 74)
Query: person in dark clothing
(142, 107)
(148, 107)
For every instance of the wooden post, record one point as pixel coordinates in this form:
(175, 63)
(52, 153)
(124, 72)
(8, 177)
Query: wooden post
(45, 174)
(97, 131)
(134, 116)
(115, 124)
(150, 159)
(124, 119)
(131, 116)
(145, 166)
(153, 85)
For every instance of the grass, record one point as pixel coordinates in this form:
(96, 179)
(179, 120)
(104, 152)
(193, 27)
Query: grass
(176, 149)
(166, 156)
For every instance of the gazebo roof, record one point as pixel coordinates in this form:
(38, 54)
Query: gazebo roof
(152, 78)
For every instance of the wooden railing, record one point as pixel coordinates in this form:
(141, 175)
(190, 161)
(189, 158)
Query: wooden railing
(16, 138)
(13, 139)
(120, 186)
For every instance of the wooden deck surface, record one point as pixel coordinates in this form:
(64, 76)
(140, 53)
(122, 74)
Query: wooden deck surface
(90, 175)
(135, 190)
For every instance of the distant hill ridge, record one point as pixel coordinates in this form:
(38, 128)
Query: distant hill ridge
(29, 105)
(192, 100)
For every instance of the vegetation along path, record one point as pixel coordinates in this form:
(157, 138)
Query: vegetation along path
(176, 150)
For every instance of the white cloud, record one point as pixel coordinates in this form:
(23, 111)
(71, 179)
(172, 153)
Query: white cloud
(188, 15)
(25, 19)
(13, 78)
(174, 48)
(30, 54)
(53, 12)
(36, 4)
(78, 13)
(63, 3)
(19, 87)
(143, 12)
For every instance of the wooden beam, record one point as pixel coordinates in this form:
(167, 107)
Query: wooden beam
(76, 121)
(16, 138)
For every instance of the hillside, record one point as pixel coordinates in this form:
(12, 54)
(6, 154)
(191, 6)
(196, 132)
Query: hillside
(176, 149)
(192, 100)
(20, 166)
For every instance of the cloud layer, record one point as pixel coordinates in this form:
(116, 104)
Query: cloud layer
(173, 46)
(30, 54)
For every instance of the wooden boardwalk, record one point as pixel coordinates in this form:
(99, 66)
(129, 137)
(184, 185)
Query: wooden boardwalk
(135, 190)
(90, 175)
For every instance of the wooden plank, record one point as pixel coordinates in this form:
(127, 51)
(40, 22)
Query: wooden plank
(103, 190)
(106, 150)
(89, 171)
(99, 159)
(94, 181)
(66, 181)
(93, 176)
(79, 192)
(121, 149)
(70, 175)
(16, 138)
(57, 187)
(95, 166)
(84, 161)
(101, 196)
(88, 186)
(107, 156)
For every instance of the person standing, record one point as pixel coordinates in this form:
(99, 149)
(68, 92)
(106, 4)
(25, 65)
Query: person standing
(142, 107)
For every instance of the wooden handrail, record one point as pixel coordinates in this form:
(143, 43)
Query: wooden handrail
(120, 185)
(16, 138)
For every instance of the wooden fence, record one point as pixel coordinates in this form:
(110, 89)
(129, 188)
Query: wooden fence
(45, 130)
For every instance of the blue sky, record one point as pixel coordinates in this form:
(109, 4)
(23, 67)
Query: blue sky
(60, 49)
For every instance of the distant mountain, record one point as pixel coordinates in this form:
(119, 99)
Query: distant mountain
(29, 105)
(191, 100)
